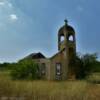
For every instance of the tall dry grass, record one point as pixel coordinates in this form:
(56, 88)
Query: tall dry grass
(47, 90)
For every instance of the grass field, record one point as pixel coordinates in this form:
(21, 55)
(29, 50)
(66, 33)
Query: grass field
(47, 90)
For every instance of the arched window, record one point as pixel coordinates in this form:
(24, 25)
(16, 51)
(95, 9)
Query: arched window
(43, 69)
(71, 38)
(62, 38)
(58, 68)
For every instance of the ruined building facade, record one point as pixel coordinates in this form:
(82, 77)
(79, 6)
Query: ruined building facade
(57, 67)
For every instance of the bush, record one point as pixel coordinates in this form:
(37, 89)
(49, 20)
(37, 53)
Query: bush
(84, 65)
(25, 69)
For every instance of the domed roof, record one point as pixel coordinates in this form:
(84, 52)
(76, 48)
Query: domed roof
(66, 27)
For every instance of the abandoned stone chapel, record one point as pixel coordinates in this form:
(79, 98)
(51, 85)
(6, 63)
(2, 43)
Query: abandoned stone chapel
(57, 67)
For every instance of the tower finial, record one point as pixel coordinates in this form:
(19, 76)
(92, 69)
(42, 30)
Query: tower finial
(66, 21)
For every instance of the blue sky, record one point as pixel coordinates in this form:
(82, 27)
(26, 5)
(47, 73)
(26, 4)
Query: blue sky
(28, 26)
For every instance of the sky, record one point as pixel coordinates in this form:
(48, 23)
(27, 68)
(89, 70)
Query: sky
(28, 26)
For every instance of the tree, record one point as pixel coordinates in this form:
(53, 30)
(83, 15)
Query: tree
(83, 65)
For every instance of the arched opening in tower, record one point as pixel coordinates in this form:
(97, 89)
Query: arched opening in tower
(62, 38)
(71, 38)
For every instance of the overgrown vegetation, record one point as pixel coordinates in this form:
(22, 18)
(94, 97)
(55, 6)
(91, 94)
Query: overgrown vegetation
(84, 65)
(25, 69)
(47, 90)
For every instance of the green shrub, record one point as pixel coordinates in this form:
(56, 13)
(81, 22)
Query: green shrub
(25, 69)
(84, 65)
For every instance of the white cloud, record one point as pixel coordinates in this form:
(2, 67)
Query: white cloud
(7, 11)
(13, 17)
(10, 5)
(6, 3)
(2, 3)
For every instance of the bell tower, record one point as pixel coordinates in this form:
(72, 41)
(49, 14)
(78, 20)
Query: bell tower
(67, 44)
